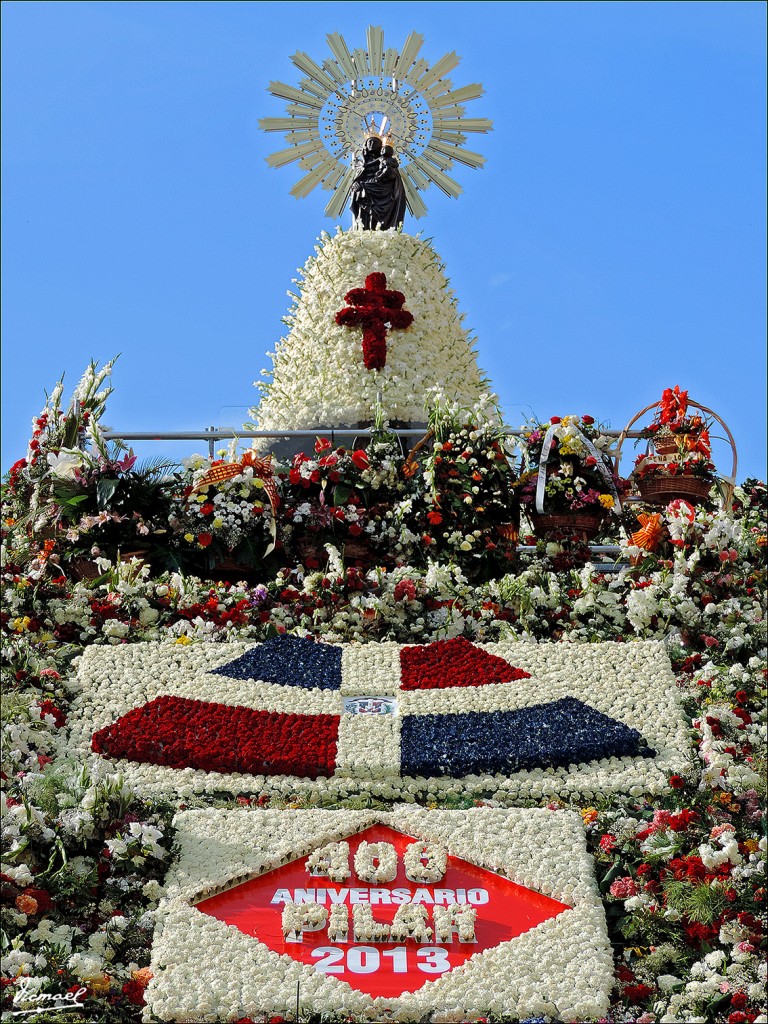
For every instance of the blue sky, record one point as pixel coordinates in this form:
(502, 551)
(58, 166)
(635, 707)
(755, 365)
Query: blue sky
(613, 245)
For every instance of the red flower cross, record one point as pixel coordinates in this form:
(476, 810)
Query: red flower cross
(374, 308)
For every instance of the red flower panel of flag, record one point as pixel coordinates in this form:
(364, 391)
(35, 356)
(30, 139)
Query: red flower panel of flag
(183, 733)
(455, 662)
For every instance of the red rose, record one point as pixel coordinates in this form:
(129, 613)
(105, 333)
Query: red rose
(204, 539)
(588, 419)
(555, 419)
(636, 993)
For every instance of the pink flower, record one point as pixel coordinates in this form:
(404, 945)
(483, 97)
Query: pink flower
(623, 888)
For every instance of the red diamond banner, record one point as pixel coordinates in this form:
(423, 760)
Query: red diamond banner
(373, 915)
(500, 910)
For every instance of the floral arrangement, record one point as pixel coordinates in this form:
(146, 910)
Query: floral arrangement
(217, 520)
(465, 510)
(681, 444)
(340, 496)
(319, 377)
(74, 490)
(559, 970)
(680, 864)
(567, 468)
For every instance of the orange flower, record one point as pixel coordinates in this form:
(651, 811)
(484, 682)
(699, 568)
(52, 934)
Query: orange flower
(26, 904)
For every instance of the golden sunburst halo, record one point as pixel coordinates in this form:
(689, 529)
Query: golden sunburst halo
(396, 92)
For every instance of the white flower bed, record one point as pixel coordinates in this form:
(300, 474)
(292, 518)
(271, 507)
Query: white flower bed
(206, 970)
(632, 683)
(319, 378)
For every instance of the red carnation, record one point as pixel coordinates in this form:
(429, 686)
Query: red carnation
(204, 539)
(676, 781)
(405, 591)
(636, 993)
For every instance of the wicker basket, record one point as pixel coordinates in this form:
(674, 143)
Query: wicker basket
(84, 569)
(585, 524)
(355, 551)
(660, 490)
(667, 443)
(510, 532)
(229, 570)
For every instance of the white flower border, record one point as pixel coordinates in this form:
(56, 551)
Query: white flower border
(206, 970)
(631, 682)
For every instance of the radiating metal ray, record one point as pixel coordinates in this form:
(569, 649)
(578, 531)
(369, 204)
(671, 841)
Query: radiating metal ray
(397, 92)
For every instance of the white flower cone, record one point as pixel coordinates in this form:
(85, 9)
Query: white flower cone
(319, 378)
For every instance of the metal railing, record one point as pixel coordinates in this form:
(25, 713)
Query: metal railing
(214, 434)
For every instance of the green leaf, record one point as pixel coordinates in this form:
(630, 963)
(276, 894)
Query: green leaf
(612, 875)
(105, 490)
(340, 493)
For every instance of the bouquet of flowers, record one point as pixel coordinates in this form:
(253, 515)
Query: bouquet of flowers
(75, 495)
(464, 508)
(224, 514)
(680, 444)
(568, 469)
(340, 496)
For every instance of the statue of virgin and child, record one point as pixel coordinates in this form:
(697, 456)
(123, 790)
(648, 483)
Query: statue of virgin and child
(377, 193)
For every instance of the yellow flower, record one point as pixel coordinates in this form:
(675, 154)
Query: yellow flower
(258, 482)
(589, 814)
(183, 639)
(189, 537)
(21, 625)
(100, 986)
(606, 500)
(752, 845)
(217, 523)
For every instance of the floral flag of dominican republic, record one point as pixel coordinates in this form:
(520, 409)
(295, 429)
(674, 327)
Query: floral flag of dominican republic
(295, 714)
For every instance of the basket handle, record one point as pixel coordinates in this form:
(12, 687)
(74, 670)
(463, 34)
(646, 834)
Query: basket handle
(729, 481)
(408, 465)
